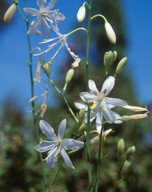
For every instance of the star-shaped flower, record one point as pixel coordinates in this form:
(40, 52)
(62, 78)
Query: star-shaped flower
(43, 15)
(56, 144)
(101, 105)
(60, 41)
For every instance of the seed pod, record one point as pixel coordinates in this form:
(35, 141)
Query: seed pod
(114, 55)
(9, 13)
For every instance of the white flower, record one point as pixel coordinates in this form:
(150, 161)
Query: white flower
(43, 15)
(56, 144)
(101, 105)
(61, 41)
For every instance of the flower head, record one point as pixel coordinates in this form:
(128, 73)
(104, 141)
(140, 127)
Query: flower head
(100, 104)
(56, 144)
(43, 15)
(61, 42)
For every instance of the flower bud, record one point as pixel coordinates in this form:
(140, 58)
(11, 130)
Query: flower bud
(110, 32)
(69, 75)
(126, 167)
(130, 151)
(121, 65)
(81, 115)
(136, 108)
(46, 68)
(121, 147)
(114, 55)
(82, 127)
(108, 58)
(81, 13)
(9, 13)
(134, 117)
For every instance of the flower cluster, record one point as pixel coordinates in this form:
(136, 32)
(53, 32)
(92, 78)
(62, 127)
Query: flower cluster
(97, 106)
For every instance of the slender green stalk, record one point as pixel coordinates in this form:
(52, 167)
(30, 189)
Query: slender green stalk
(99, 161)
(30, 64)
(88, 119)
(88, 151)
(64, 98)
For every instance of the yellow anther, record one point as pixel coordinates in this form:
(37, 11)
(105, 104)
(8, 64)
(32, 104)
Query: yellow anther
(59, 143)
(95, 93)
(90, 102)
(93, 106)
(104, 91)
(104, 109)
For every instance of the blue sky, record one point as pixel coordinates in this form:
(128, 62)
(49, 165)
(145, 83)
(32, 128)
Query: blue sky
(14, 73)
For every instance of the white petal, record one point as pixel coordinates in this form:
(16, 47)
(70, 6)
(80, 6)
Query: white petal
(52, 158)
(117, 118)
(41, 3)
(67, 159)
(34, 25)
(31, 11)
(99, 119)
(92, 86)
(61, 129)
(47, 129)
(85, 96)
(115, 102)
(107, 113)
(45, 146)
(71, 144)
(46, 28)
(108, 86)
(51, 4)
(81, 106)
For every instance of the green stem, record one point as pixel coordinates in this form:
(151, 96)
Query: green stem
(99, 161)
(64, 98)
(30, 64)
(88, 151)
(88, 117)
(99, 15)
(75, 30)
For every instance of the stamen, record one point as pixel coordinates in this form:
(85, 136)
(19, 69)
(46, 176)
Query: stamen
(104, 109)
(90, 102)
(95, 93)
(104, 91)
(93, 106)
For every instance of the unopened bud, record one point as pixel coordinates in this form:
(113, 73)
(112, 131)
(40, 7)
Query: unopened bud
(81, 13)
(9, 13)
(108, 58)
(69, 75)
(134, 117)
(82, 127)
(110, 32)
(130, 151)
(81, 115)
(121, 147)
(46, 68)
(126, 167)
(114, 55)
(121, 65)
(136, 108)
